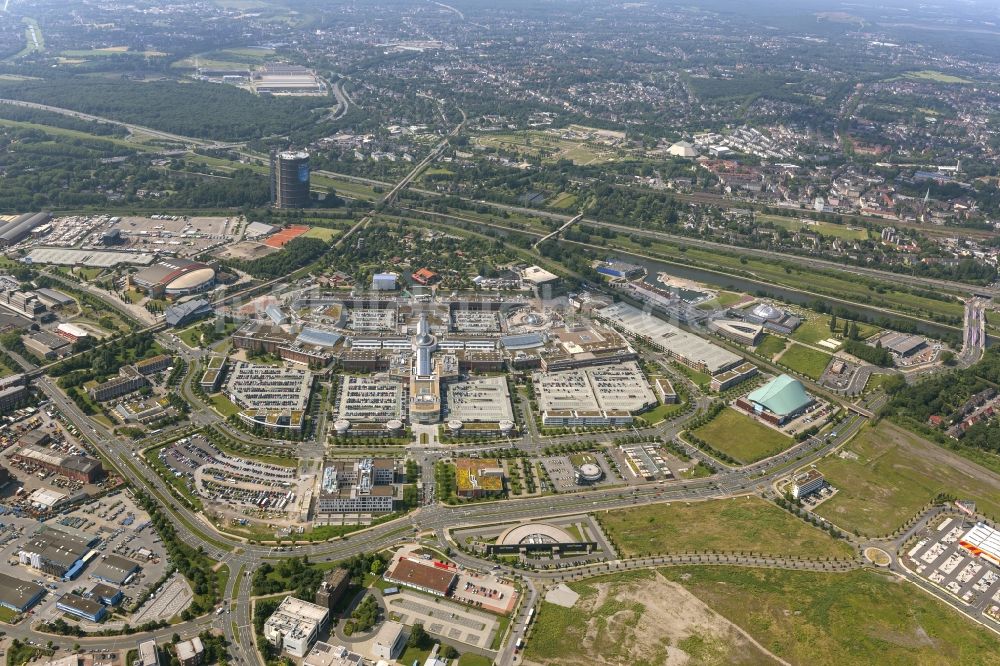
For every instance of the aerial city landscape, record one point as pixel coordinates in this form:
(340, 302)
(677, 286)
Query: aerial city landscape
(583, 332)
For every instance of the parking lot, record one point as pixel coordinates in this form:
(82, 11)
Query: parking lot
(444, 618)
(237, 482)
(562, 473)
(938, 557)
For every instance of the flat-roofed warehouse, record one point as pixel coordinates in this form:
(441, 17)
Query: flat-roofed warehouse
(683, 346)
(78, 468)
(431, 579)
(19, 595)
(56, 552)
(114, 569)
(61, 256)
(486, 399)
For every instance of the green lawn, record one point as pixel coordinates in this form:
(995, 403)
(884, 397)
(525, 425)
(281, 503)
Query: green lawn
(771, 346)
(224, 405)
(660, 412)
(740, 436)
(745, 523)
(936, 76)
(7, 615)
(700, 379)
(563, 200)
(322, 233)
(470, 659)
(844, 231)
(805, 361)
(411, 654)
(817, 328)
(827, 619)
(897, 473)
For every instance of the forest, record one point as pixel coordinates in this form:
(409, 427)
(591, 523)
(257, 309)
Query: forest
(193, 108)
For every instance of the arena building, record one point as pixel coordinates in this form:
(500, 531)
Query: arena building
(778, 401)
(174, 277)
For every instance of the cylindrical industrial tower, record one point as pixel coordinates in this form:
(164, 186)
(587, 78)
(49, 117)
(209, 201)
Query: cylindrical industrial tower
(290, 179)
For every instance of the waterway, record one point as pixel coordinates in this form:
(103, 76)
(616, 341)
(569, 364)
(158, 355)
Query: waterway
(750, 286)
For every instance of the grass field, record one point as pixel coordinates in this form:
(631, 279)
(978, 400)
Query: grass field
(741, 437)
(700, 379)
(224, 405)
(817, 328)
(805, 361)
(833, 619)
(895, 474)
(934, 75)
(549, 147)
(745, 523)
(771, 346)
(660, 412)
(470, 659)
(824, 228)
(322, 233)
(724, 299)
(563, 200)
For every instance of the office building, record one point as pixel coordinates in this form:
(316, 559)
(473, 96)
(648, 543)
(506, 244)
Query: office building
(148, 654)
(384, 281)
(478, 477)
(364, 486)
(807, 483)
(190, 652)
(295, 625)
(13, 393)
(76, 605)
(331, 590)
(389, 642)
(128, 381)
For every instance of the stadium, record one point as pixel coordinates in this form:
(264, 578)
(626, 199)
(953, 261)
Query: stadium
(174, 277)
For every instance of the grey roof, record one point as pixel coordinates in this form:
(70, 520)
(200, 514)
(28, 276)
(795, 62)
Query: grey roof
(17, 593)
(182, 312)
(114, 569)
(317, 336)
(58, 547)
(525, 341)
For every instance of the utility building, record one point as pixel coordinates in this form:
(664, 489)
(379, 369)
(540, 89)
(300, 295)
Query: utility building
(290, 179)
